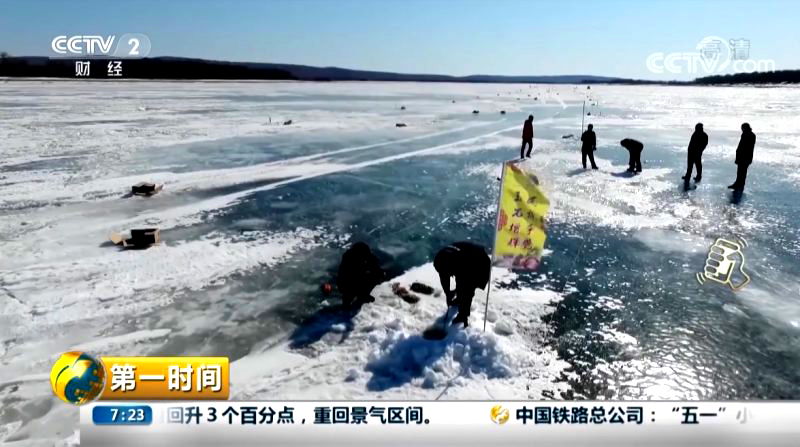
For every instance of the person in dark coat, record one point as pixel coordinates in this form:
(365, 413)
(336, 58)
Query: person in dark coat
(697, 145)
(744, 157)
(588, 146)
(635, 149)
(359, 273)
(527, 137)
(470, 265)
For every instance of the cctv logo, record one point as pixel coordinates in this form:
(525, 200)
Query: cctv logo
(83, 45)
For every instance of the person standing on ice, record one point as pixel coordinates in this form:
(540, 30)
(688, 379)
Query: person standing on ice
(635, 149)
(359, 273)
(697, 145)
(744, 157)
(588, 147)
(470, 265)
(527, 137)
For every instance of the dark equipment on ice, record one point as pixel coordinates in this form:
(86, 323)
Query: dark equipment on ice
(359, 273)
(139, 238)
(471, 266)
(400, 125)
(287, 122)
(476, 112)
(146, 189)
(404, 294)
(502, 112)
(421, 288)
(402, 107)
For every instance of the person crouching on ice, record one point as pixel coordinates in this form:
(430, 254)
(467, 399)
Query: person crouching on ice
(635, 153)
(359, 273)
(470, 265)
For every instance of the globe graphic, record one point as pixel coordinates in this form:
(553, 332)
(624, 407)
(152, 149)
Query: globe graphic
(499, 414)
(77, 378)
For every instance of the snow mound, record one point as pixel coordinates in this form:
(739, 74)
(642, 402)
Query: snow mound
(402, 358)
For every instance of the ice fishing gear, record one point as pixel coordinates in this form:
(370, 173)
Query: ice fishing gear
(403, 293)
(146, 189)
(421, 288)
(437, 332)
(139, 238)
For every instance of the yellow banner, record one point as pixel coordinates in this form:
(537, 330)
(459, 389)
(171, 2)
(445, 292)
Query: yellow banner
(521, 227)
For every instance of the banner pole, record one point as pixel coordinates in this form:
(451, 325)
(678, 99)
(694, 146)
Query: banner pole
(583, 114)
(494, 244)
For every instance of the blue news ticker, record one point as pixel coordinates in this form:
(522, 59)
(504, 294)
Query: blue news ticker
(122, 415)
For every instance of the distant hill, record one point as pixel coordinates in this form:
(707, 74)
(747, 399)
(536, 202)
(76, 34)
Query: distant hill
(187, 68)
(306, 72)
(769, 77)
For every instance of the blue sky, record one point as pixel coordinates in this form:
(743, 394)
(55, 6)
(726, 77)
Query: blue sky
(458, 37)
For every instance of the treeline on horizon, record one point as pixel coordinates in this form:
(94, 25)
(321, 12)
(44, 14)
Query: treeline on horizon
(195, 69)
(756, 77)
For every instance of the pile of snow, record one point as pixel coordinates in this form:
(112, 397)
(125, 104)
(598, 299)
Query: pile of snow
(379, 351)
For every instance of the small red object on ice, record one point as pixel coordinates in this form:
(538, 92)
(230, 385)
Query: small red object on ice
(327, 288)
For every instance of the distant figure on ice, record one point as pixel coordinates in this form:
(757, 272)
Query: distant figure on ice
(470, 264)
(588, 147)
(744, 157)
(697, 145)
(359, 273)
(527, 137)
(635, 152)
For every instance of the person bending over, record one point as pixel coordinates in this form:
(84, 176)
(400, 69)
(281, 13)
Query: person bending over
(359, 273)
(470, 265)
(635, 149)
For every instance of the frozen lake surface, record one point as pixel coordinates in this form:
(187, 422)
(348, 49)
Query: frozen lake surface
(255, 216)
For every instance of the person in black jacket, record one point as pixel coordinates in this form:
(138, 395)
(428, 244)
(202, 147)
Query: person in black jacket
(359, 273)
(635, 149)
(744, 157)
(470, 265)
(588, 147)
(527, 137)
(697, 145)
